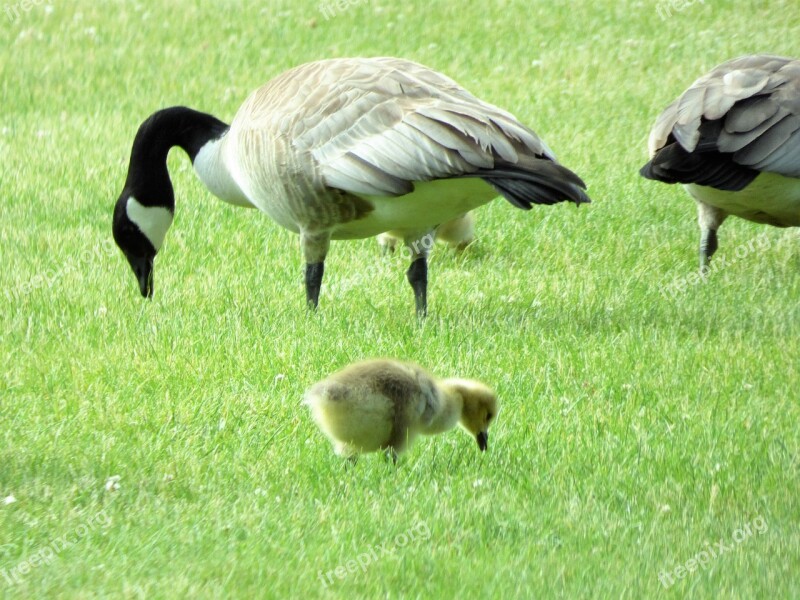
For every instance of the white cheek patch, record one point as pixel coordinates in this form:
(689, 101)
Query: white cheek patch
(152, 221)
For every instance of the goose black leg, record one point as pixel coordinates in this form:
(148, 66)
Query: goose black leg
(315, 248)
(418, 278)
(314, 274)
(709, 218)
(708, 245)
(419, 246)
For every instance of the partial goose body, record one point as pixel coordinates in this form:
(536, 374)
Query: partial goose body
(770, 199)
(403, 218)
(351, 148)
(385, 404)
(457, 233)
(733, 140)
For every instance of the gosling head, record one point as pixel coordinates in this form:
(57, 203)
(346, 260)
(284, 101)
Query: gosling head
(139, 231)
(479, 408)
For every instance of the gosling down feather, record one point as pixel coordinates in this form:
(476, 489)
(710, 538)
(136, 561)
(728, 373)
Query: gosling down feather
(457, 233)
(385, 404)
(733, 140)
(342, 149)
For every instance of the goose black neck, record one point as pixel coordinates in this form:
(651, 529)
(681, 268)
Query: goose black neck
(148, 179)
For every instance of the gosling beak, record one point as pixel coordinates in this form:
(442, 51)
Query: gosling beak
(483, 440)
(143, 269)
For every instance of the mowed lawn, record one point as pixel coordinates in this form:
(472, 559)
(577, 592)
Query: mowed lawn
(647, 444)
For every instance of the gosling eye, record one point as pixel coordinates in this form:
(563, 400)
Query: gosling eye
(489, 417)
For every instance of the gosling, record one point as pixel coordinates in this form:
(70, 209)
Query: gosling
(384, 404)
(457, 233)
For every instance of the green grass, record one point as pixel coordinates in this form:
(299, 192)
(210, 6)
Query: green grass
(636, 427)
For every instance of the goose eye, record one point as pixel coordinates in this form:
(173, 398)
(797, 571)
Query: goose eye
(489, 416)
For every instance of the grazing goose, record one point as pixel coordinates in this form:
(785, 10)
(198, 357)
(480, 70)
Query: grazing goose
(733, 139)
(342, 149)
(457, 233)
(384, 404)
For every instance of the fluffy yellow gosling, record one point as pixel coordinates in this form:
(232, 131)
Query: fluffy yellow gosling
(457, 233)
(384, 404)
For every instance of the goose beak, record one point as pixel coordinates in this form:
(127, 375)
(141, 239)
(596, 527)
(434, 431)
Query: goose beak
(483, 440)
(143, 269)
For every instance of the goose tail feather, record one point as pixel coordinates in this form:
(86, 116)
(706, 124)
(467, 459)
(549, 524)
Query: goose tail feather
(542, 182)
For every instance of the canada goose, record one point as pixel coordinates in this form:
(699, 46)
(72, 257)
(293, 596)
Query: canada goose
(384, 404)
(457, 233)
(733, 139)
(342, 149)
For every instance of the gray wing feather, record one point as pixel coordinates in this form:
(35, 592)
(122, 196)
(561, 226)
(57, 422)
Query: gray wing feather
(787, 156)
(473, 151)
(353, 173)
(718, 102)
(377, 126)
(748, 115)
(395, 154)
(474, 127)
(738, 140)
(757, 98)
(688, 115)
(760, 153)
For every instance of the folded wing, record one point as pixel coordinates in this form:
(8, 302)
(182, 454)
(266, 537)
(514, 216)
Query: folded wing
(739, 120)
(378, 126)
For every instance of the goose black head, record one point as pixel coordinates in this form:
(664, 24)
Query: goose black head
(139, 231)
(146, 207)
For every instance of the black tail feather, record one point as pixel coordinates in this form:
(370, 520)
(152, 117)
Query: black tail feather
(672, 164)
(539, 182)
(705, 165)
